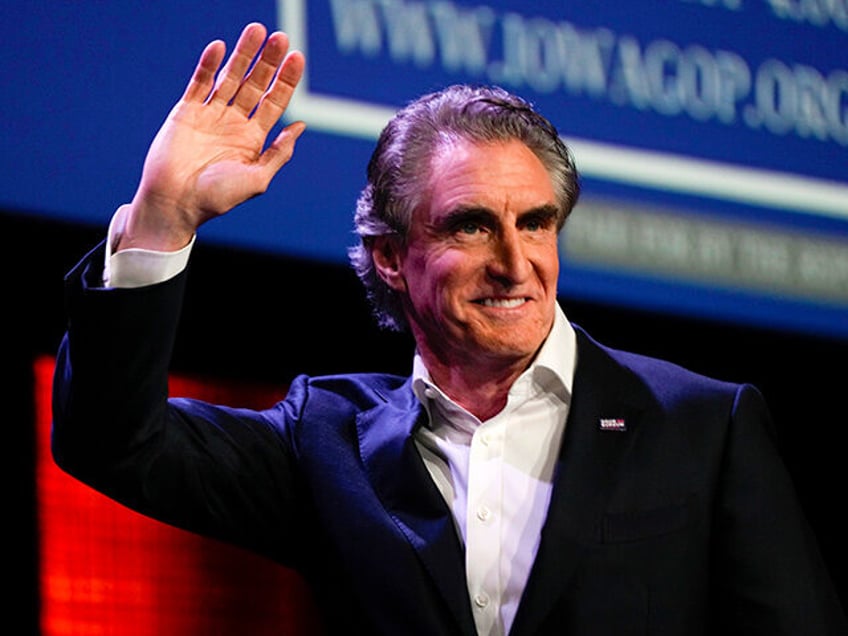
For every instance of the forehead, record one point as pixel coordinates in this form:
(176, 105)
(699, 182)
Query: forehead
(495, 175)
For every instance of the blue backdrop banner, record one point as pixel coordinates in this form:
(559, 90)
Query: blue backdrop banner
(712, 135)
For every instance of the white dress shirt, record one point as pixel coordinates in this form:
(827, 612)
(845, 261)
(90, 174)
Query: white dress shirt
(496, 476)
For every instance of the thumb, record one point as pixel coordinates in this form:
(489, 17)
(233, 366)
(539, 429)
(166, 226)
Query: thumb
(281, 149)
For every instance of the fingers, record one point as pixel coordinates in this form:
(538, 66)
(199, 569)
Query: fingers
(233, 74)
(266, 87)
(279, 94)
(262, 74)
(203, 79)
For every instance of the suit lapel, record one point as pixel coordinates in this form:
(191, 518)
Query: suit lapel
(585, 475)
(410, 497)
(587, 471)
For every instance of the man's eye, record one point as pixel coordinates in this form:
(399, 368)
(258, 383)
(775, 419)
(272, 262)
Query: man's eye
(469, 227)
(538, 224)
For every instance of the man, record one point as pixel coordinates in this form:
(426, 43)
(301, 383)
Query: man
(523, 480)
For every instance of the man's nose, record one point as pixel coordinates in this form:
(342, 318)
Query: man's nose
(509, 263)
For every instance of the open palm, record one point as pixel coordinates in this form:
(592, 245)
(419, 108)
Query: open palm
(210, 154)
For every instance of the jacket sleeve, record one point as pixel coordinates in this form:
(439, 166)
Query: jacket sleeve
(224, 472)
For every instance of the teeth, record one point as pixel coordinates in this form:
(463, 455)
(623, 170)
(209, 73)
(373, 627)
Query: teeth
(506, 302)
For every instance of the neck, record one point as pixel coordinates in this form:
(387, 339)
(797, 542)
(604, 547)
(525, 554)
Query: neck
(481, 393)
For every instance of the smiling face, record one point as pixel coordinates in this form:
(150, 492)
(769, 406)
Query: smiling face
(479, 269)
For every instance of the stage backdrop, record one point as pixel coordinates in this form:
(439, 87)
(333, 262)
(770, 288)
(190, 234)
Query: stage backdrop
(107, 570)
(712, 134)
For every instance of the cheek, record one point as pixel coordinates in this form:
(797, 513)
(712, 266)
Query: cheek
(547, 265)
(440, 280)
(457, 272)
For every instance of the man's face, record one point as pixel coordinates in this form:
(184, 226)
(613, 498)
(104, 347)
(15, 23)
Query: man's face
(480, 267)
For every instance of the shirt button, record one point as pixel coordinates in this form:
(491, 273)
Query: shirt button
(430, 392)
(486, 438)
(481, 599)
(483, 513)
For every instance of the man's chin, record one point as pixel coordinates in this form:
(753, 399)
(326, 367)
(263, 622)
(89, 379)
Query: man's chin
(506, 352)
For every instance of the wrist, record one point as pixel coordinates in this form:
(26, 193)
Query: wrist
(151, 226)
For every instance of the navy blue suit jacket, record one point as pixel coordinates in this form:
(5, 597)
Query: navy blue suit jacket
(684, 523)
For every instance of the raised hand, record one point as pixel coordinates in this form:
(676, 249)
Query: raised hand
(210, 154)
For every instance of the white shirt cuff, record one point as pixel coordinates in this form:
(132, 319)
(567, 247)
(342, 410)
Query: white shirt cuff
(136, 267)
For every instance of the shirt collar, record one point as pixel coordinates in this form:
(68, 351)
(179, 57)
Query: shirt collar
(552, 368)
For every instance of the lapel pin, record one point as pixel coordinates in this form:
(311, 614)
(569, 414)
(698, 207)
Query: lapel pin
(613, 424)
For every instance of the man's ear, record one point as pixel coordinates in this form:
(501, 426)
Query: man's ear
(385, 251)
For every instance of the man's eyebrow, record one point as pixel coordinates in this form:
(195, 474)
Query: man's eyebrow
(486, 216)
(464, 214)
(547, 211)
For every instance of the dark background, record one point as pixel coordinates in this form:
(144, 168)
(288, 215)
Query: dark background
(258, 317)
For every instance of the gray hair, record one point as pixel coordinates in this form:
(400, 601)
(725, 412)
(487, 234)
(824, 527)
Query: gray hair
(400, 165)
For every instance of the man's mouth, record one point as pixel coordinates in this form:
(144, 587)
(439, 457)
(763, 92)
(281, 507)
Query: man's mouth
(505, 303)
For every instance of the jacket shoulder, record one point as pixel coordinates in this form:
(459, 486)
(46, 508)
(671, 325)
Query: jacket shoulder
(353, 392)
(662, 378)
